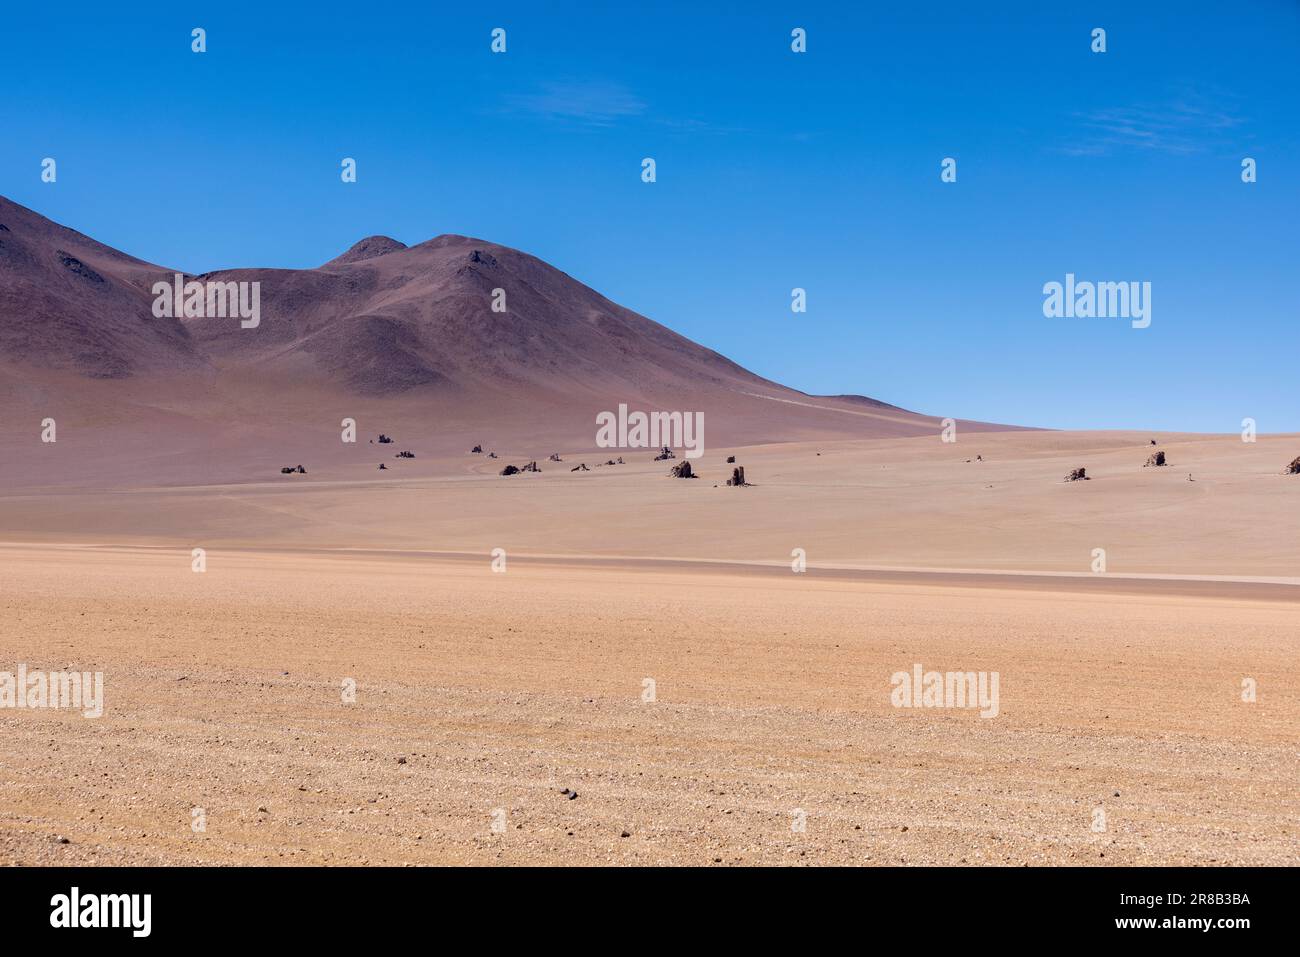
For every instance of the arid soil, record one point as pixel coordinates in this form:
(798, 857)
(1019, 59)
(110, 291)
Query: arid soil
(481, 696)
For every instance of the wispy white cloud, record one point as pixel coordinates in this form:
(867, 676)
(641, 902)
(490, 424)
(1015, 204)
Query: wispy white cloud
(594, 102)
(1184, 125)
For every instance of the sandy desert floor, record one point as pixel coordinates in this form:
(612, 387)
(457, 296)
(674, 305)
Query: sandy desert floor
(480, 696)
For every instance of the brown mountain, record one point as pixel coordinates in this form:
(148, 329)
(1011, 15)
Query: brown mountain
(68, 302)
(408, 334)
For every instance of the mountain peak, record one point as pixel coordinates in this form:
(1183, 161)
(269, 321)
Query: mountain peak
(369, 248)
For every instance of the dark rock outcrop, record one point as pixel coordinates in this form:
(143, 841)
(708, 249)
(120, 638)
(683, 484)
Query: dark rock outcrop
(1078, 475)
(682, 470)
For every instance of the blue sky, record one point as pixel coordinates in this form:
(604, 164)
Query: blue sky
(775, 170)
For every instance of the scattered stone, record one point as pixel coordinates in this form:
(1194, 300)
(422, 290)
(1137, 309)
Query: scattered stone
(492, 455)
(477, 449)
(1294, 467)
(290, 470)
(731, 460)
(665, 453)
(384, 439)
(1153, 442)
(510, 470)
(1155, 459)
(382, 465)
(625, 834)
(570, 794)
(580, 468)
(682, 470)
(1078, 475)
(401, 760)
(530, 467)
(60, 839)
(555, 457)
(738, 477)
(405, 455)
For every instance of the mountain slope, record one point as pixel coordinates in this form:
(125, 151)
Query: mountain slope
(451, 338)
(68, 302)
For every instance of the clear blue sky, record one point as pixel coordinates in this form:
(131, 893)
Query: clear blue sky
(775, 170)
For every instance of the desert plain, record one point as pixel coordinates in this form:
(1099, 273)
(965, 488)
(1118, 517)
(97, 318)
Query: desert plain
(349, 680)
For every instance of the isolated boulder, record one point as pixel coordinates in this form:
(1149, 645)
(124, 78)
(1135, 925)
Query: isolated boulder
(665, 453)
(1077, 475)
(682, 470)
(477, 448)
(737, 477)
(555, 457)
(731, 459)
(1156, 459)
(510, 470)
(580, 468)
(530, 467)
(1294, 467)
(288, 470)
(384, 439)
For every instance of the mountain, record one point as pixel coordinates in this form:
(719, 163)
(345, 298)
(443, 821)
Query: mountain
(68, 302)
(453, 336)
